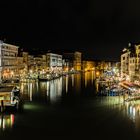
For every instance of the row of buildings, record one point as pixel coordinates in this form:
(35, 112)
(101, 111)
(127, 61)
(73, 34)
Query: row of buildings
(15, 63)
(130, 62)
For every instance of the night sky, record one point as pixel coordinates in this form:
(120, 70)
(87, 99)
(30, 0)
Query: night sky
(99, 28)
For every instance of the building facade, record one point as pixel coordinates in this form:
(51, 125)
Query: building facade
(130, 62)
(8, 60)
(125, 62)
(88, 65)
(77, 61)
(54, 62)
(73, 60)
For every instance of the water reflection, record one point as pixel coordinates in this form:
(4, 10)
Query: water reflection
(133, 110)
(27, 90)
(67, 83)
(77, 81)
(55, 89)
(72, 76)
(130, 110)
(88, 76)
(30, 91)
(6, 121)
(38, 90)
(52, 91)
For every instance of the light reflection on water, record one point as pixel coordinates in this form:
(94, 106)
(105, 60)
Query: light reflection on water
(6, 121)
(87, 77)
(51, 91)
(67, 82)
(133, 111)
(130, 110)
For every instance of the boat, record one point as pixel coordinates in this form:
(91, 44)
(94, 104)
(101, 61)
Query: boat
(43, 79)
(48, 78)
(9, 96)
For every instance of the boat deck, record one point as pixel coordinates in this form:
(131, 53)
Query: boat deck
(6, 89)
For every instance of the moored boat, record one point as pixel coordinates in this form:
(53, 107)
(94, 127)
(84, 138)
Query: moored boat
(9, 96)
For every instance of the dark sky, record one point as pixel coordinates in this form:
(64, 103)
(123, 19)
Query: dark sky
(99, 28)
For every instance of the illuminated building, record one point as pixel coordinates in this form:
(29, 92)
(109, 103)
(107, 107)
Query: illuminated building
(74, 60)
(130, 61)
(40, 62)
(137, 60)
(125, 62)
(54, 62)
(22, 61)
(65, 65)
(25, 57)
(110, 67)
(8, 60)
(105, 65)
(20, 66)
(88, 65)
(77, 60)
(31, 65)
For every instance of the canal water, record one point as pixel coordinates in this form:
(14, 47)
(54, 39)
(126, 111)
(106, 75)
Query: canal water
(69, 107)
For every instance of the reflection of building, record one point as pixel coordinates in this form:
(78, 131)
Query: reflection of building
(73, 60)
(77, 83)
(133, 111)
(6, 121)
(54, 61)
(55, 89)
(8, 60)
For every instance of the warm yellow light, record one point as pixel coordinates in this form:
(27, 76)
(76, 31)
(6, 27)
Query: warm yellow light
(5, 74)
(97, 73)
(31, 71)
(66, 69)
(12, 73)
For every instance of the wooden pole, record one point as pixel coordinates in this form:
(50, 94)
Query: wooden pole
(2, 106)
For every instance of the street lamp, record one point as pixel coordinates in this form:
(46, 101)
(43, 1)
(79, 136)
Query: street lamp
(12, 73)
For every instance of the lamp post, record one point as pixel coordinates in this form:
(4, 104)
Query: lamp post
(12, 74)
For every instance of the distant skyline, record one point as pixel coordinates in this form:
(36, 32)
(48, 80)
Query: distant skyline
(100, 29)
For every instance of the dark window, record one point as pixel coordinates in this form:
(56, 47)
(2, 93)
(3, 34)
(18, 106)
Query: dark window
(53, 60)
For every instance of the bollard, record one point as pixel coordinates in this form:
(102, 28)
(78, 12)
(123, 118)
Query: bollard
(2, 106)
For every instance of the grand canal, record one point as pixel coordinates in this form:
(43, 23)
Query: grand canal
(69, 106)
